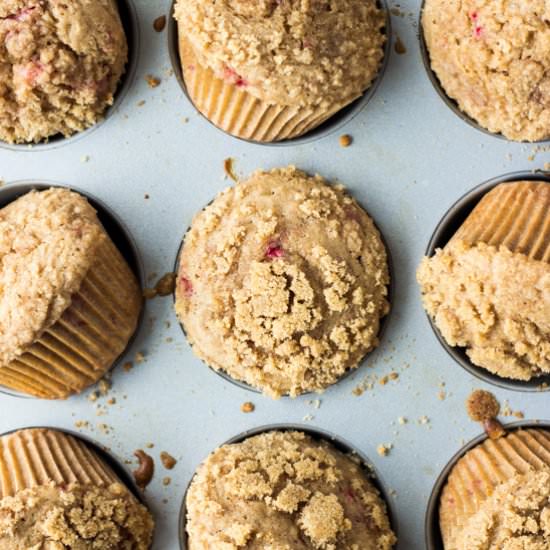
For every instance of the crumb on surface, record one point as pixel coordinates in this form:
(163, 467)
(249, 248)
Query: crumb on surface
(168, 461)
(152, 81)
(345, 140)
(159, 23)
(229, 169)
(482, 405)
(384, 449)
(247, 407)
(143, 474)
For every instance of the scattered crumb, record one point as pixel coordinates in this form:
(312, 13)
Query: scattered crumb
(166, 481)
(81, 424)
(84, 158)
(111, 401)
(153, 81)
(139, 357)
(247, 407)
(345, 140)
(141, 103)
(146, 196)
(482, 405)
(93, 396)
(168, 461)
(384, 449)
(399, 47)
(518, 414)
(149, 445)
(159, 23)
(316, 403)
(104, 428)
(143, 474)
(228, 168)
(402, 420)
(104, 386)
(307, 418)
(441, 395)
(128, 366)
(424, 420)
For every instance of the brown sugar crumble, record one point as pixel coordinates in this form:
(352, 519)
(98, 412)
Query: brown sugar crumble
(164, 286)
(345, 140)
(166, 481)
(143, 474)
(152, 81)
(482, 406)
(168, 461)
(159, 23)
(228, 168)
(399, 47)
(247, 407)
(384, 449)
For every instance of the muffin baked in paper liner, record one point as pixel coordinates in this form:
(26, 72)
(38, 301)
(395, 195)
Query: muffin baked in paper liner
(81, 346)
(481, 470)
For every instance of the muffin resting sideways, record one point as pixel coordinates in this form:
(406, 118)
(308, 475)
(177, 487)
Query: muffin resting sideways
(60, 64)
(284, 491)
(282, 282)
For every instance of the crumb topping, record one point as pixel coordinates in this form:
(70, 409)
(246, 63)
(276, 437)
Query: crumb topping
(493, 58)
(296, 52)
(282, 282)
(482, 405)
(47, 244)
(75, 517)
(493, 302)
(285, 490)
(60, 63)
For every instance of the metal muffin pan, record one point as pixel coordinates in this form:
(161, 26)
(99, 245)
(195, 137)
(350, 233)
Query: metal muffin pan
(433, 532)
(130, 23)
(337, 442)
(410, 159)
(114, 227)
(334, 123)
(449, 224)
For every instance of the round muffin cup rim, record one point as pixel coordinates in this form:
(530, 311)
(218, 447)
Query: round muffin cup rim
(451, 103)
(535, 385)
(432, 533)
(125, 83)
(28, 185)
(383, 321)
(314, 432)
(319, 132)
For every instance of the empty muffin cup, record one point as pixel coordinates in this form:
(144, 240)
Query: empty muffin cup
(523, 230)
(240, 115)
(92, 310)
(130, 25)
(378, 497)
(474, 474)
(49, 472)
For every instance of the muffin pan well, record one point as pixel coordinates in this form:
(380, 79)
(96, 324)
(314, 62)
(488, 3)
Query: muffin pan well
(157, 163)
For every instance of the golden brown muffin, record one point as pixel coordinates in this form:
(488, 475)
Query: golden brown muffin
(282, 283)
(57, 493)
(274, 70)
(60, 64)
(285, 491)
(488, 289)
(497, 496)
(493, 59)
(69, 302)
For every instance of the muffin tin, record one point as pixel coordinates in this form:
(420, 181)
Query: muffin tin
(410, 159)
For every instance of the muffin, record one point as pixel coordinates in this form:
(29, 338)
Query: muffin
(69, 302)
(497, 496)
(56, 493)
(488, 289)
(269, 70)
(285, 491)
(282, 283)
(493, 59)
(60, 64)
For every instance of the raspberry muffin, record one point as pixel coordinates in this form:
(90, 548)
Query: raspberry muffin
(493, 59)
(285, 490)
(488, 289)
(60, 64)
(56, 493)
(282, 282)
(69, 302)
(497, 496)
(270, 70)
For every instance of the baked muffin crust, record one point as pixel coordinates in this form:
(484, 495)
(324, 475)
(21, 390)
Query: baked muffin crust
(60, 63)
(282, 282)
(47, 244)
(284, 491)
(493, 58)
(296, 52)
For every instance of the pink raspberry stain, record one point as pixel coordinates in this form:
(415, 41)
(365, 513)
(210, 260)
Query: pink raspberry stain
(30, 72)
(235, 78)
(21, 15)
(186, 285)
(274, 250)
(350, 495)
(478, 29)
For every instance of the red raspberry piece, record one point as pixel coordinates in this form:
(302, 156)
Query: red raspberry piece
(186, 285)
(274, 250)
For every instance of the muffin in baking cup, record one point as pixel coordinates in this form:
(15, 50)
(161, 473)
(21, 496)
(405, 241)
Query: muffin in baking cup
(286, 486)
(301, 79)
(83, 61)
(58, 491)
(494, 494)
(293, 297)
(489, 63)
(69, 299)
(486, 289)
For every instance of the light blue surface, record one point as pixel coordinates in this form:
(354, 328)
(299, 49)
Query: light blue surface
(410, 160)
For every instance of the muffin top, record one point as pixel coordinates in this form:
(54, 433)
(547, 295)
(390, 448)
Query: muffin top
(78, 517)
(60, 63)
(47, 243)
(282, 282)
(491, 300)
(285, 491)
(493, 58)
(296, 52)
